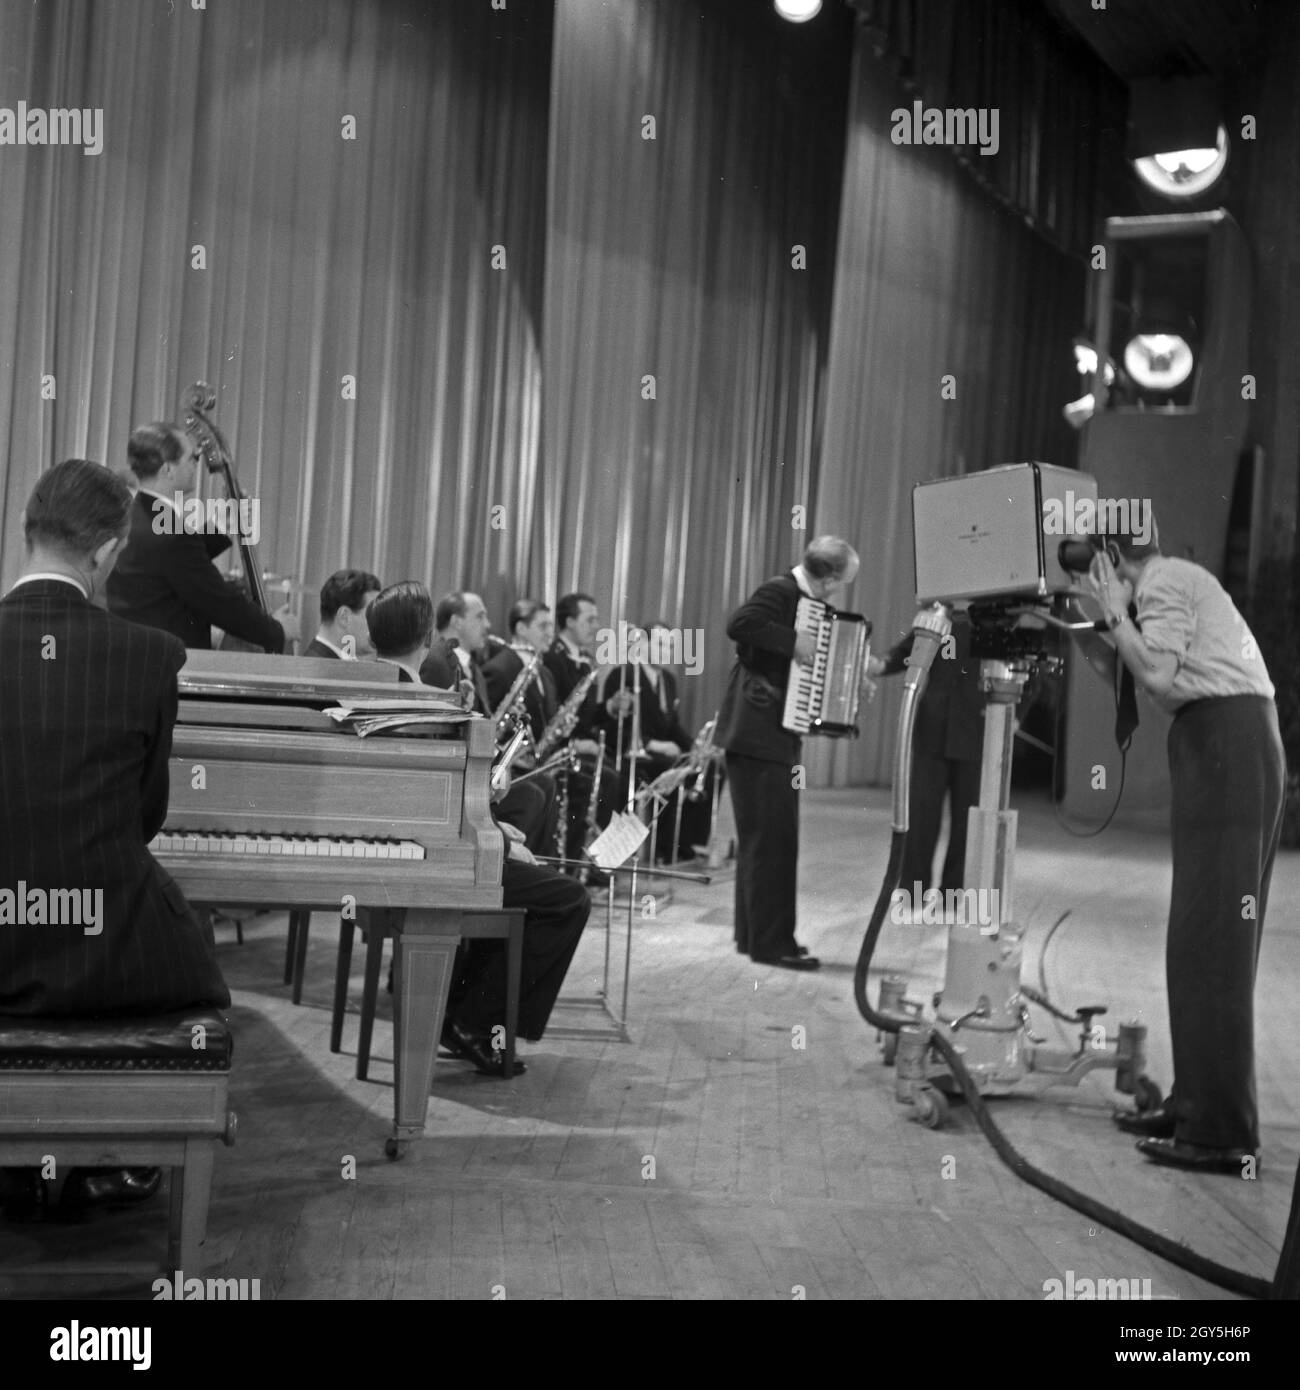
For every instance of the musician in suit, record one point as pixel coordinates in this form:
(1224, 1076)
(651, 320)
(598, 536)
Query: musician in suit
(343, 632)
(89, 703)
(569, 660)
(947, 748)
(463, 623)
(664, 740)
(761, 753)
(531, 630)
(556, 907)
(166, 578)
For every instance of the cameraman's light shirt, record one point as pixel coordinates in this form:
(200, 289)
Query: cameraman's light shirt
(1184, 610)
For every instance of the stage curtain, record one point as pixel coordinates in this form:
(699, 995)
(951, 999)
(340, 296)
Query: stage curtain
(686, 318)
(409, 259)
(950, 352)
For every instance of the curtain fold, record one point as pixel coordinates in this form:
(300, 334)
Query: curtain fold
(949, 353)
(673, 259)
(323, 258)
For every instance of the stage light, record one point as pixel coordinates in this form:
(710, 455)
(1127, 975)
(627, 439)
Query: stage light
(1159, 361)
(1184, 173)
(797, 11)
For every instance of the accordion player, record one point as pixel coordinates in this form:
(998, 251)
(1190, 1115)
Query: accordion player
(822, 695)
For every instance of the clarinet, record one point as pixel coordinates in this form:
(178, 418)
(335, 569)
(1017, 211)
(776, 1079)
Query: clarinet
(593, 810)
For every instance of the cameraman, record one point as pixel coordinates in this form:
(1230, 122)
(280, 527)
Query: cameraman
(1192, 652)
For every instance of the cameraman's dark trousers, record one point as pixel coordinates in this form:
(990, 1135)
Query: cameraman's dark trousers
(1228, 774)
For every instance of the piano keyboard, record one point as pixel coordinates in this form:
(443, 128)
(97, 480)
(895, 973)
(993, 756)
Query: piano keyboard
(295, 846)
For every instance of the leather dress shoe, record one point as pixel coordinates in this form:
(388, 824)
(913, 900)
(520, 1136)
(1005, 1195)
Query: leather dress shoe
(1173, 1153)
(794, 962)
(1150, 1124)
(464, 1044)
(88, 1188)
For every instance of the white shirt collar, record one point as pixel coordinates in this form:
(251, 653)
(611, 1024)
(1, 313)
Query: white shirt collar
(572, 647)
(338, 651)
(802, 580)
(412, 671)
(48, 574)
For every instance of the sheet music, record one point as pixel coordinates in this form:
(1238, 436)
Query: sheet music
(619, 841)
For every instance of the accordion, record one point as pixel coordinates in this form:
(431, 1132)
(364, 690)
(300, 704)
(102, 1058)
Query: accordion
(822, 696)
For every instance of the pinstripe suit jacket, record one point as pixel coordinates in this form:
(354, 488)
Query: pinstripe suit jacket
(87, 705)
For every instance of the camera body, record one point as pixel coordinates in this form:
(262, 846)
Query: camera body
(998, 534)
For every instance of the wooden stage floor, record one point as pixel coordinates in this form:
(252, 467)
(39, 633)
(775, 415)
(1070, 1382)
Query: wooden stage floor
(711, 1158)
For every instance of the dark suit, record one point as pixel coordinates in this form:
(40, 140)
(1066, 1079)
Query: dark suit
(528, 806)
(88, 705)
(540, 699)
(947, 747)
(169, 581)
(566, 673)
(761, 756)
(660, 722)
(318, 648)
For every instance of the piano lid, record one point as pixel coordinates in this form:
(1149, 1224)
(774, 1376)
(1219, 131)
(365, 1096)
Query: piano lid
(312, 680)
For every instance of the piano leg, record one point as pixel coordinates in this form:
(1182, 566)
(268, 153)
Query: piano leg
(424, 953)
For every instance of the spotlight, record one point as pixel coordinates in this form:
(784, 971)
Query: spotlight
(1184, 173)
(1158, 361)
(797, 11)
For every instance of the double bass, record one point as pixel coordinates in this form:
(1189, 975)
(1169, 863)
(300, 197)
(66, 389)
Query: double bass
(198, 402)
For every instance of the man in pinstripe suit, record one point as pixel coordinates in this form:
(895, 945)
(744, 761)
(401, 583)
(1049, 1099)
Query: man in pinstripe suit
(89, 701)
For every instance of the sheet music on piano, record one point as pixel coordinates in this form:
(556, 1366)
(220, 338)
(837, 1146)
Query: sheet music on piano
(372, 714)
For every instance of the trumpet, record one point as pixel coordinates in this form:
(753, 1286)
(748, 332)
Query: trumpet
(510, 714)
(565, 719)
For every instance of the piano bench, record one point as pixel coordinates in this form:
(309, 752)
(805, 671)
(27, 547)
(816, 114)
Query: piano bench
(502, 923)
(120, 1092)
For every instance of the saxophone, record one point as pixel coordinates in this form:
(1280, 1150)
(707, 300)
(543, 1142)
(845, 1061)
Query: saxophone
(510, 713)
(565, 719)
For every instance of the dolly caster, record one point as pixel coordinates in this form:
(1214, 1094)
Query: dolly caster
(393, 1149)
(931, 1107)
(1146, 1095)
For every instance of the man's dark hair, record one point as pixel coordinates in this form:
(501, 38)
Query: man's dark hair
(524, 610)
(1131, 548)
(449, 606)
(346, 589)
(569, 607)
(401, 618)
(151, 446)
(76, 506)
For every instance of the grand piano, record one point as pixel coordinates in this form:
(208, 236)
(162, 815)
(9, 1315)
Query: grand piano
(272, 804)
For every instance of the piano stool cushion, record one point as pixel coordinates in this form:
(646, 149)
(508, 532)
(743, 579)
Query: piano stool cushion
(127, 1042)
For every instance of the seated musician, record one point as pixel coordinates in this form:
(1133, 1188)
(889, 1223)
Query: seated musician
(343, 633)
(664, 742)
(401, 623)
(166, 578)
(463, 623)
(569, 660)
(89, 703)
